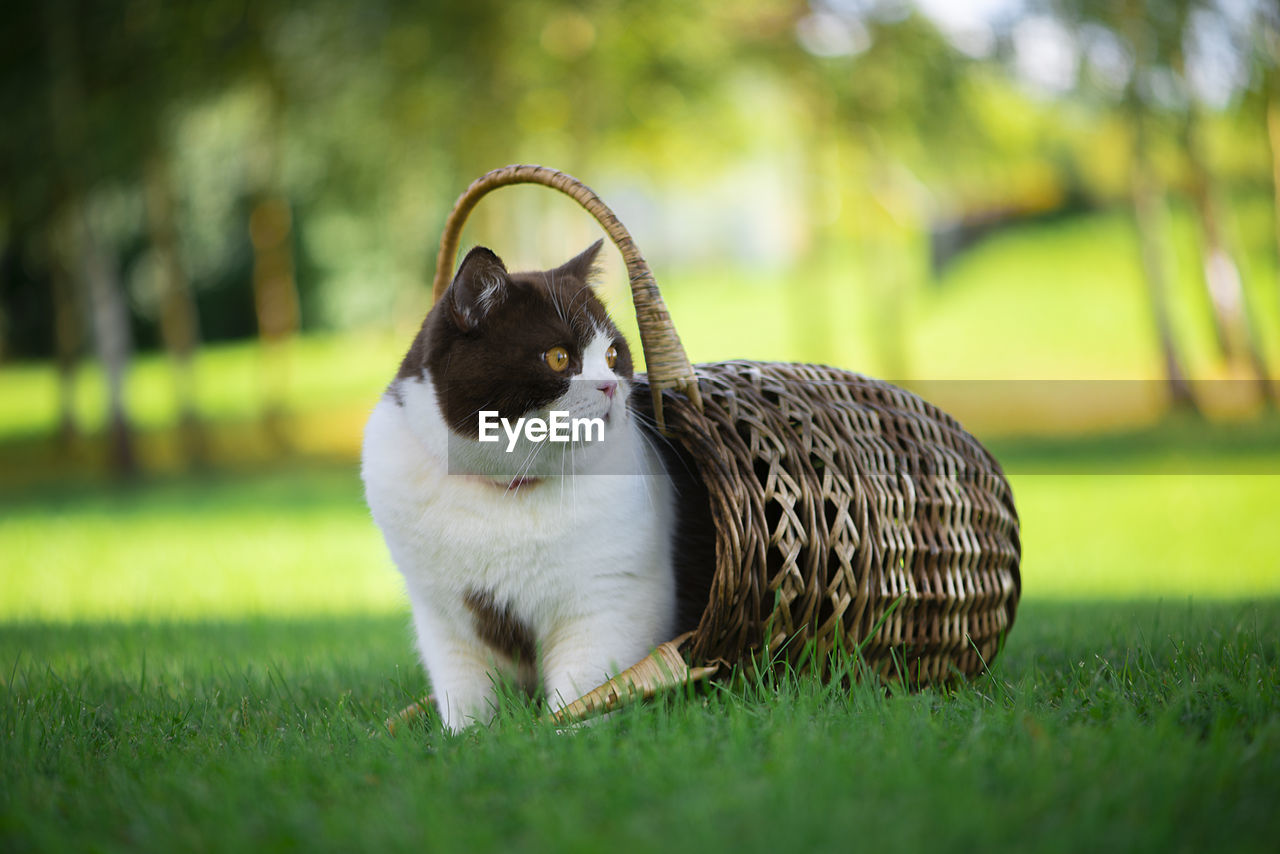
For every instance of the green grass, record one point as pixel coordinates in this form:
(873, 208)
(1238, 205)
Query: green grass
(293, 542)
(1067, 299)
(198, 660)
(300, 541)
(1059, 300)
(323, 372)
(1120, 727)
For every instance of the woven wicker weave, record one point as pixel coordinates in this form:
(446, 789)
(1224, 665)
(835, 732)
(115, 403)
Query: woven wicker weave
(848, 511)
(839, 499)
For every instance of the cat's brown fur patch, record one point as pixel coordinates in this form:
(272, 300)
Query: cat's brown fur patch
(499, 628)
(483, 342)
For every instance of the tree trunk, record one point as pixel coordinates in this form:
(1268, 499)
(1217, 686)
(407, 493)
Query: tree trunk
(179, 319)
(275, 299)
(110, 316)
(1145, 198)
(67, 334)
(275, 291)
(94, 266)
(1273, 135)
(1145, 194)
(1233, 327)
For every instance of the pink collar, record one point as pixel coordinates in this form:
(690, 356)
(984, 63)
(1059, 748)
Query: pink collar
(506, 487)
(522, 481)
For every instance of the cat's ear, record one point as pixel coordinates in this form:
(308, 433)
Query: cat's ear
(583, 267)
(480, 286)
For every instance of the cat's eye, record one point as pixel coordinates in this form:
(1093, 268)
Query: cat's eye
(557, 358)
(611, 356)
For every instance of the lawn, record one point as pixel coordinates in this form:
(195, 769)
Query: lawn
(202, 658)
(1126, 727)
(200, 662)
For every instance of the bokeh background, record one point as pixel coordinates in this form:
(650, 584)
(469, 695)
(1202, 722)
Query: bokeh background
(1057, 218)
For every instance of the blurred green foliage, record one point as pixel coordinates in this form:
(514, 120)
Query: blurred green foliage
(1009, 309)
(772, 136)
(910, 188)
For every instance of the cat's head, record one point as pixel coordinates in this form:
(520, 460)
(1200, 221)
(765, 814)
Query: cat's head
(522, 345)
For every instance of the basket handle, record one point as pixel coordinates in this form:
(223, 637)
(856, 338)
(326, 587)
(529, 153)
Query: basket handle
(664, 356)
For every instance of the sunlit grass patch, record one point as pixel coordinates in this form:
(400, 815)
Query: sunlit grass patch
(298, 541)
(230, 380)
(1148, 535)
(293, 542)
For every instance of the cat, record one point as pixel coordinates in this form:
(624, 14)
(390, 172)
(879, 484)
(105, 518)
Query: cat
(550, 566)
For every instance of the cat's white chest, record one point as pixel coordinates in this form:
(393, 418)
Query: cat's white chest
(451, 530)
(583, 562)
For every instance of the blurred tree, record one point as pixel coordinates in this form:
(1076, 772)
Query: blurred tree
(870, 86)
(29, 198)
(152, 67)
(179, 320)
(1234, 330)
(109, 78)
(1142, 33)
(343, 132)
(270, 223)
(67, 338)
(94, 264)
(1147, 202)
(1266, 59)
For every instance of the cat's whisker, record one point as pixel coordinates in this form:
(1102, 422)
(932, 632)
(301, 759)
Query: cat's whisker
(562, 476)
(641, 465)
(655, 434)
(573, 473)
(517, 473)
(524, 469)
(552, 290)
(582, 309)
(515, 480)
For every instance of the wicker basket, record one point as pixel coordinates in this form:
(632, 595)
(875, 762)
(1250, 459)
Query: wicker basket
(848, 512)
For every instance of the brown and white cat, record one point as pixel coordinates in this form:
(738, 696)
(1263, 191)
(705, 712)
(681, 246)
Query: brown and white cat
(553, 565)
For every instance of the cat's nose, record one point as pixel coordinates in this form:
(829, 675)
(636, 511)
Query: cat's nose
(609, 388)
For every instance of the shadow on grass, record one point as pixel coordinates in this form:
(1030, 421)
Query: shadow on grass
(1181, 445)
(286, 483)
(35, 466)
